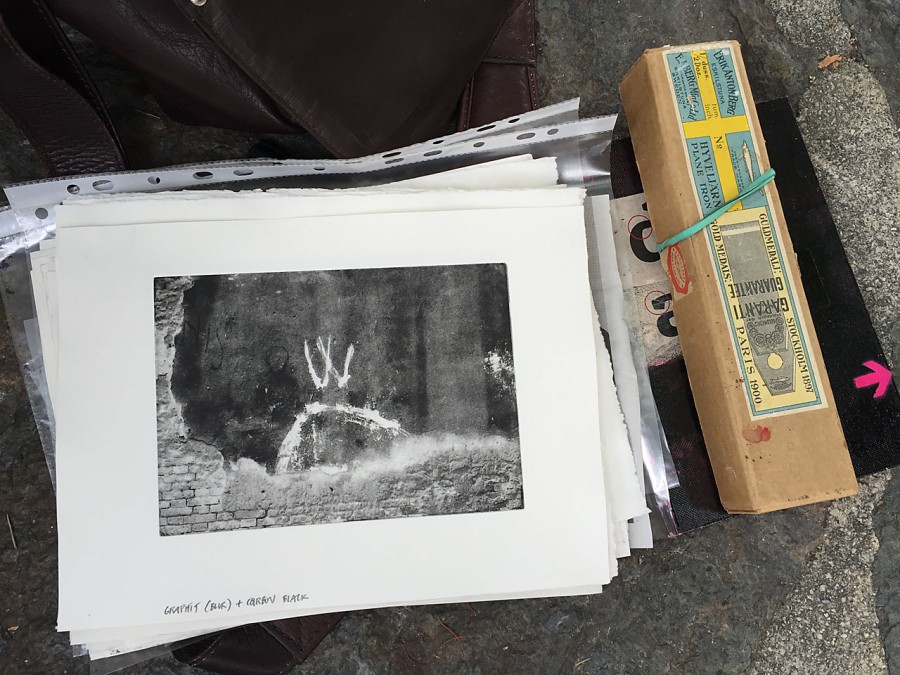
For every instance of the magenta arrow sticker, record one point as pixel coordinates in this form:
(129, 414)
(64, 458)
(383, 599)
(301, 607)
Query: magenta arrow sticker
(879, 376)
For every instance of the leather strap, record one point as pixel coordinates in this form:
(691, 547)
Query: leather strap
(505, 83)
(269, 648)
(48, 94)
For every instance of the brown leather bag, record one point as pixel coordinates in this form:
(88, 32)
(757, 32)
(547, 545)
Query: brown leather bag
(361, 76)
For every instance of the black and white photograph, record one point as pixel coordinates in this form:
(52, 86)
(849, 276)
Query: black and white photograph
(302, 398)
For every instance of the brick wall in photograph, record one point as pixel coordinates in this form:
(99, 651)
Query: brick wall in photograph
(191, 483)
(198, 495)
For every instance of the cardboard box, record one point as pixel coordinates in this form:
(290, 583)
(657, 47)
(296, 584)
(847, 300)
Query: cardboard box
(756, 370)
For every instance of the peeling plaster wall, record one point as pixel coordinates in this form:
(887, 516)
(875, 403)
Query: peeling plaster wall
(201, 491)
(191, 473)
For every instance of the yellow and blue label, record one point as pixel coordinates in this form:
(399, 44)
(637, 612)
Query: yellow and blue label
(768, 332)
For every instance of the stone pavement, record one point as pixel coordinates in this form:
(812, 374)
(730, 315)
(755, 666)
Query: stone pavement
(811, 590)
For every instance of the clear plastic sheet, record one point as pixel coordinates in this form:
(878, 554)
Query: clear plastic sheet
(580, 146)
(491, 141)
(15, 284)
(113, 664)
(648, 314)
(612, 289)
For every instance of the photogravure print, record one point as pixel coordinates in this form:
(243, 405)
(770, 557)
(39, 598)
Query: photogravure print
(299, 398)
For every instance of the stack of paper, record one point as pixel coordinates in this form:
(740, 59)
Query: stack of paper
(293, 402)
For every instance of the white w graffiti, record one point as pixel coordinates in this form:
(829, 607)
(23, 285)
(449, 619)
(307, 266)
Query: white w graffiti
(328, 368)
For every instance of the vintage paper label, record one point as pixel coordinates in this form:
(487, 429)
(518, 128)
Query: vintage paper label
(648, 294)
(768, 332)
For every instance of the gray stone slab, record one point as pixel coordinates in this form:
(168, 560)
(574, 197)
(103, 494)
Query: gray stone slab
(886, 578)
(697, 605)
(848, 129)
(875, 25)
(828, 622)
(586, 48)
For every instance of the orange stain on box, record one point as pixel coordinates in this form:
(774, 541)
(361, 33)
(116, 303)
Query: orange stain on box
(758, 434)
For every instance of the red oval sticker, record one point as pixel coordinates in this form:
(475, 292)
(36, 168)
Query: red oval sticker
(678, 273)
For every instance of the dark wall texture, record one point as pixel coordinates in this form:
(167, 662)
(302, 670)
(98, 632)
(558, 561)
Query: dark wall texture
(420, 337)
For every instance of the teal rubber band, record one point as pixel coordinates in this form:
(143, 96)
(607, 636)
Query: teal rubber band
(758, 184)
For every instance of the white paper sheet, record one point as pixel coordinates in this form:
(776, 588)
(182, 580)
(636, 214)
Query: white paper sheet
(626, 496)
(43, 282)
(603, 264)
(225, 206)
(117, 571)
(469, 177)
(520, 172)
(624, 493)
(625, 499)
